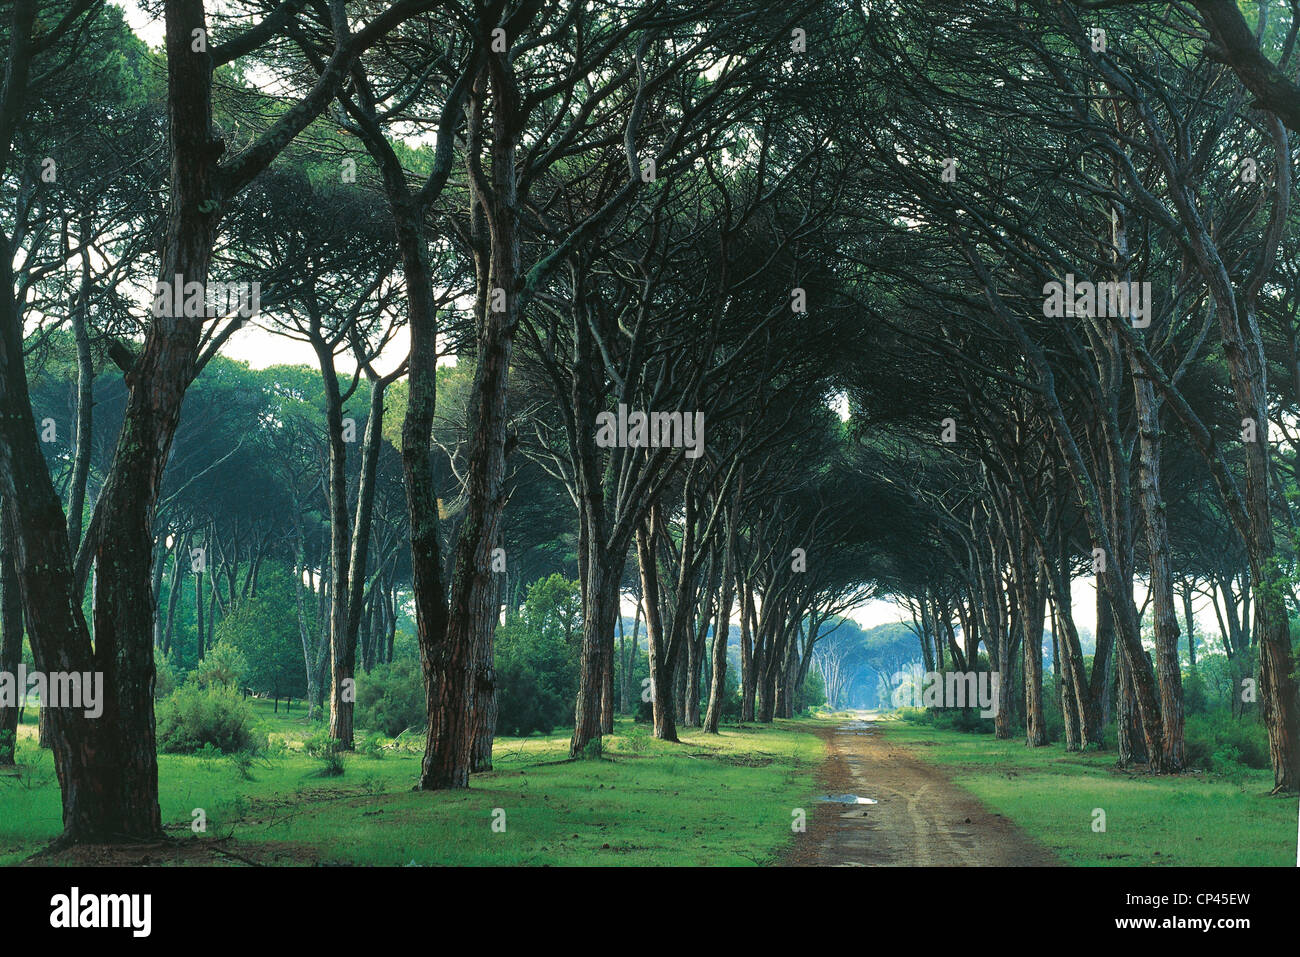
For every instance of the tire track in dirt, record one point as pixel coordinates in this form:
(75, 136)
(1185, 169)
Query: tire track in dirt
(921, 817)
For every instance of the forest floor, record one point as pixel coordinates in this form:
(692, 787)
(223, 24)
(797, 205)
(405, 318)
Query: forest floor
(1085, 810)
(918, 815)
(726, 799)
(942, 797)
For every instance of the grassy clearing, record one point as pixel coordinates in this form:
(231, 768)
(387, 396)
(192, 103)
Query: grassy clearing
(713, 800)
(1184, 820)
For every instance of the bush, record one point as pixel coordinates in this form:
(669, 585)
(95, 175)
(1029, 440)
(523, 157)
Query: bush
(195, 717)
(390, 698)
(537, 659)
(223, 667)
(811, 695)
(961, 719)
(327, 750)
(526, 702)
(1223, 744)
(636, 739)
(916, 715)
(1196, 699)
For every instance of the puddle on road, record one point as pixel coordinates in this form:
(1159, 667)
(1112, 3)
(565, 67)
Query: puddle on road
(847, 799)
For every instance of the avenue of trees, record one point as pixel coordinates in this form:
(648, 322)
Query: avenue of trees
(815, 243)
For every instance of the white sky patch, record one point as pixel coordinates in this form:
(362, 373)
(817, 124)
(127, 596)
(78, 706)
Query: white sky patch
(147, 28)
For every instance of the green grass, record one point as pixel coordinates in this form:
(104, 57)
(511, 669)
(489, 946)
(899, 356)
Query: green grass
(712, 800)
(1183, 820)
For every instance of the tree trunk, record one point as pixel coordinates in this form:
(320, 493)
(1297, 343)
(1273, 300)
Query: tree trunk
(11, 637)
(180, 551)
(1170, 757)
(722, 622)
(748, 678)
(84, 430)
(1031, 621)
(199, 613)
(485, 698)
(661, 671)
(602, 592)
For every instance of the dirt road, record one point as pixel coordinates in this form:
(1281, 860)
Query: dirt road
(918, 817)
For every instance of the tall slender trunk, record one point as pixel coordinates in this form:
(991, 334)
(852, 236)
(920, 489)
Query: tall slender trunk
(695, 650)
(722, 621)
(748, 678)
(11, 636)
(1170, 757)
(661, 672)
(472, 605)
(342, 652)
(84, 430)
(718, 667)
(200, 615)
(180, 550)
(1031, 623)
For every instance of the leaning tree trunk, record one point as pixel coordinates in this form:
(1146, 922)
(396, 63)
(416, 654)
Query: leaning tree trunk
(102, 798)
(1277, 679)
(695, 655)
(718, 676)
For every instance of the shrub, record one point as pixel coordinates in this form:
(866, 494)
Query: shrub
(1196, 699)
(961, 719)
(223, 666)
(636, 739)
(537, 659)
(390, 698)
(525, 700)
(194, 717)
(327, 750)
(811, 695)
(1220, 743)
